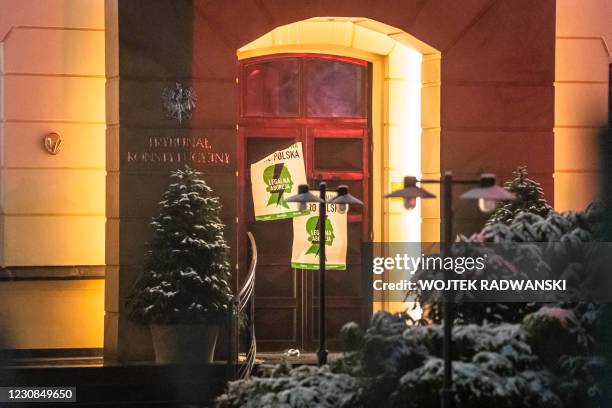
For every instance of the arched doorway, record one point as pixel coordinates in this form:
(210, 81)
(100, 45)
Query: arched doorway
(378, 131)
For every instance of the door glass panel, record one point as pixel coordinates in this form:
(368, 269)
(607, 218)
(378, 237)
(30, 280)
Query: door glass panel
(272, 88)
(335, 88)
(338, 154)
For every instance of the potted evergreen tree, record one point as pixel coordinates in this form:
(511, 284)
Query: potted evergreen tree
(184, 292)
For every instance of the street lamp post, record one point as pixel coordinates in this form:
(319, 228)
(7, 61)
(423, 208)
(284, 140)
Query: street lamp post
(343, 199)
(488, 194)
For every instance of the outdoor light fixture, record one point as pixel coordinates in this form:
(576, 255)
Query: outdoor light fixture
(303, 197)
(343, 199)
(410, 193)
(488, 194)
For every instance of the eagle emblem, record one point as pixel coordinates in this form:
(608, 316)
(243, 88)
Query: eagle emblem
(178, 102)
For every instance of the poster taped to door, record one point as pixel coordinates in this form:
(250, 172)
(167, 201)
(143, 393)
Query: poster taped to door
(275, 178)
(305, 251)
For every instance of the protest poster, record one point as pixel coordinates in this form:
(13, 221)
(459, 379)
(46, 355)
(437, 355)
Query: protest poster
(275, 178)
(306, 247)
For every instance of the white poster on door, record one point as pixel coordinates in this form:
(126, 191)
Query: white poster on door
(275, 178)
(306, 248)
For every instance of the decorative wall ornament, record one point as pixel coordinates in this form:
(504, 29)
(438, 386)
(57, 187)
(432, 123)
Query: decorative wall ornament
(53, 143)
(178, 102)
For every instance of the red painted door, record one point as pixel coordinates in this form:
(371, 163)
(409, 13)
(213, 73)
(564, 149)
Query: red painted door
(322, 101)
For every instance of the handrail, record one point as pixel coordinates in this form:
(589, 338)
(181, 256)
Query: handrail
(250, 282)
(245, 296)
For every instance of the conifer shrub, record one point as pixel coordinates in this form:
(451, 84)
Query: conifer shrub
(529, 199)
(186, 276)
(506, 355)
(301, 387)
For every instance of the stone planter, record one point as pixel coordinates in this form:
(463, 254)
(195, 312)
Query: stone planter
(184, 343)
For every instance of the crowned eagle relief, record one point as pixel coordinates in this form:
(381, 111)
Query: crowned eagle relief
(178, 102)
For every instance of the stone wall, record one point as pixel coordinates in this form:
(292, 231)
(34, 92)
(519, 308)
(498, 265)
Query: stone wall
(583, 37)
(52, 211)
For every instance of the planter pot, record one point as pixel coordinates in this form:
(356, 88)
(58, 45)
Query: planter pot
(184, 343)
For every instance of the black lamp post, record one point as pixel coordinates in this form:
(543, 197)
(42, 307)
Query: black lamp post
(343, 200)
(488, 194)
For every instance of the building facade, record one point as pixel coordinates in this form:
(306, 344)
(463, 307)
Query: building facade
(426, 87)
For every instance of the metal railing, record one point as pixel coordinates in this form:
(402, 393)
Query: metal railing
(243, 306)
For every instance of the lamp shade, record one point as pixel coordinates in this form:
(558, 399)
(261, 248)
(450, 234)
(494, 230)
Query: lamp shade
(410, 190)
(304, 196)
(488, 190)
(344, 197)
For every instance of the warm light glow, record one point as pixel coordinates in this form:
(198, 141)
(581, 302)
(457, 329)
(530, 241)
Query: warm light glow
(582, 58)
(52, 314)
(397, 132)
(397, 96)
(410, 203)
(486, 206)
(403, 124)
(53, 207)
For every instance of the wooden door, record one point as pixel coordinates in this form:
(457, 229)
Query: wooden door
(323, 102)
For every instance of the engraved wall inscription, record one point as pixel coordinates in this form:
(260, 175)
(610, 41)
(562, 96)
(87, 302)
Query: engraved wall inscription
(178, 150)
